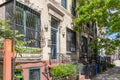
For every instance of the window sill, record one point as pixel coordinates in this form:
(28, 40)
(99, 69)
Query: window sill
(69, 52)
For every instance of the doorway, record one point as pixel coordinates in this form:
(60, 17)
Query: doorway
(54, 38)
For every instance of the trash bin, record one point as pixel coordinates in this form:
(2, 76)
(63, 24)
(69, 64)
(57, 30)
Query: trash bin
(96, 68)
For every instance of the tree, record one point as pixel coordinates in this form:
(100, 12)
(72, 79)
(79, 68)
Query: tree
(106, 14)
(6, 32)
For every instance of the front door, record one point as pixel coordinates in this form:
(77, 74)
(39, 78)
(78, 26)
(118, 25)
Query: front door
(54, 38)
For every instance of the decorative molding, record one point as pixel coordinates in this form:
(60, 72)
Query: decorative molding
(54, 4)
(26, 56)
(54, 13)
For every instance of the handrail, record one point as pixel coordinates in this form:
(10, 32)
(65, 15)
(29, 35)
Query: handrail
(58, 58)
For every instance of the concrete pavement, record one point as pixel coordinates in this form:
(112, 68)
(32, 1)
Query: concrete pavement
(110, 74)
(117, 63)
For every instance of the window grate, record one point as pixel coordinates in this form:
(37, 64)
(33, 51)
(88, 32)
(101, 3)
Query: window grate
(27, 23)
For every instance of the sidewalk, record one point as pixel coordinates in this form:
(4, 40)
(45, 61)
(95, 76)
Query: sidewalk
(110, 74)
(117, 63)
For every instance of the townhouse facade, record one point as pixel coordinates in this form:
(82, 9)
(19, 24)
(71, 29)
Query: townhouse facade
(50, 24)
(86, 39)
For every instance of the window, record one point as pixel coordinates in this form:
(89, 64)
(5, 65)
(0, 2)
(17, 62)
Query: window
(90, 40)
(84, 45)
(71, 40)
(54, 38)
(64, 3)
(27, 23)
(88, 25)
(73, 7)
(34, 74)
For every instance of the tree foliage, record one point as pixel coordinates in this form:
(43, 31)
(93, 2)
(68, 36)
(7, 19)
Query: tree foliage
(106, 14)
(5, 30)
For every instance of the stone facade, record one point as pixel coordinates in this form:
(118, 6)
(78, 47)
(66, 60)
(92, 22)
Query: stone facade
(49, 9)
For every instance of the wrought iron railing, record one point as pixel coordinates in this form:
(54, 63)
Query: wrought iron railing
(59, 58)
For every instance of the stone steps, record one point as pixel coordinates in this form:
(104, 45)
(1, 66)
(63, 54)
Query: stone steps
(82, 77)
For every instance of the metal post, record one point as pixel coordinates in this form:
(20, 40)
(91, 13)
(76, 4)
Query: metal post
(14, 28)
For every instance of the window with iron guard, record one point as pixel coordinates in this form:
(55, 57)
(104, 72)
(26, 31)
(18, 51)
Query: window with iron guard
(27, 23)
(34, 74)
(84, 45)
(71, 40)
(64, 3)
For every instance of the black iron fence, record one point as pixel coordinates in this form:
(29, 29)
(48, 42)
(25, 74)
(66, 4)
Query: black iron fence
(90, 69)
(94, 66)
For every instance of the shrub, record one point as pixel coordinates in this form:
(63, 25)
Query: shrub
(63, 70)
(111, 65)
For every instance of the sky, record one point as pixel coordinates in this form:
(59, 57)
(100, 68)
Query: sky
(112, 36)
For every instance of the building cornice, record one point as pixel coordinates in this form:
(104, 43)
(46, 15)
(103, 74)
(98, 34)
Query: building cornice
(31, 5)
(58, 8)
(55, 9)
